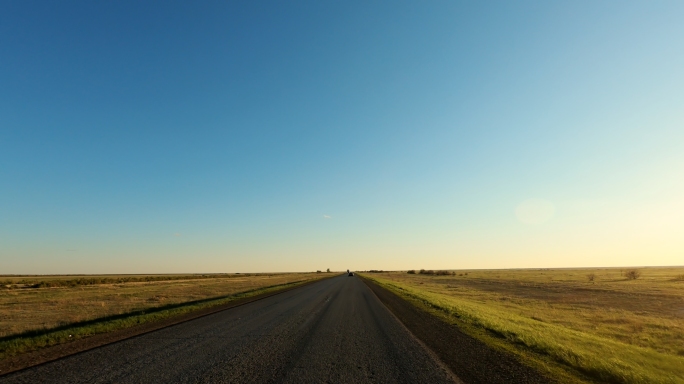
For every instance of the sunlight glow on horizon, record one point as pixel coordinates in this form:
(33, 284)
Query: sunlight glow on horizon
(225, 137)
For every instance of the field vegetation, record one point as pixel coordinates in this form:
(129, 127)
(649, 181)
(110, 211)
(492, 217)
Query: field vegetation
(41, 311)
(47, 281)
(604, 325)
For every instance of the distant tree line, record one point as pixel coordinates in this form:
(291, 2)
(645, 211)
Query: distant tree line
(431, 272)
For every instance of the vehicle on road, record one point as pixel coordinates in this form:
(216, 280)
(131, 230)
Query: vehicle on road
(350, 274)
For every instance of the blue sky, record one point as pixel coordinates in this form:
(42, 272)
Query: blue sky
(224, 137)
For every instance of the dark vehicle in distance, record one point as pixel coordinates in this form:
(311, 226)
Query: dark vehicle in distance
(350, 274)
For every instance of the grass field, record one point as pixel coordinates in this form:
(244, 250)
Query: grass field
(597, 322)
(58, 309)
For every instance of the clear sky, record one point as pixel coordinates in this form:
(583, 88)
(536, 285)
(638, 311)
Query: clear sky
(291, 136)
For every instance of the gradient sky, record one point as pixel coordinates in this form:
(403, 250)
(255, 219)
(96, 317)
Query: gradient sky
(140, 137)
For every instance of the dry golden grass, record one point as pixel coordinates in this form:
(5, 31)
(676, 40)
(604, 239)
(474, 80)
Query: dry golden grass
(564, 313)
(28, 309)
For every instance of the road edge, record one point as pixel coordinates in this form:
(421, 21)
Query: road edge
(474, 362)
(45, 355)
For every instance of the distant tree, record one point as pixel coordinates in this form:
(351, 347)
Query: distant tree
(319, 271)
(328, 270)
(411, 272)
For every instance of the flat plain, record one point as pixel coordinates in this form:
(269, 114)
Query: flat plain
(33, 306)
(596, 322)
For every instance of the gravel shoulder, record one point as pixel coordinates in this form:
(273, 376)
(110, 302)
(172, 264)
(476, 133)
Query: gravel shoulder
(468, 358)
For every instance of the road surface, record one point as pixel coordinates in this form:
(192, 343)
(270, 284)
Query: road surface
(335, 330)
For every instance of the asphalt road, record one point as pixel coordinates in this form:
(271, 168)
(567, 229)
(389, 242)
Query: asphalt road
(333, 331)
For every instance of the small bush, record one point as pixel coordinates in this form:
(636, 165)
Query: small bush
(632, 274)
(591, 277)
(319, 271)
(411, 272)
(422, 272)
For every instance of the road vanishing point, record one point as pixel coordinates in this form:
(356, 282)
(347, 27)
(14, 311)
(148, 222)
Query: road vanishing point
(332, 331)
